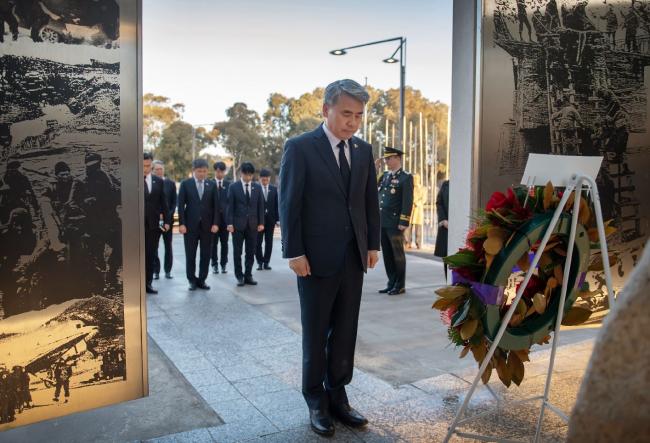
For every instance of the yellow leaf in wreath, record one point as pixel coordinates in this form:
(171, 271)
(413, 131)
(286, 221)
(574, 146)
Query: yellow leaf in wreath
(489, 258)
(497, 232)
(516, 367)
(551, 245)
(585, 212)
(442, 303)
(544, 340)
(468, 329)
(522, 308)
(452, 292)
(548, 195)
(552, 283)
(515, 320)
(558, 273)
(569, 202)
(593, 234)
(522, 354)
(503, 371)
(576, 316)
(523, 262)
(493, 245)
(530, 311)
(560, 251)
(479, 352)
(539, 303)
(485, 378)
(465, 351)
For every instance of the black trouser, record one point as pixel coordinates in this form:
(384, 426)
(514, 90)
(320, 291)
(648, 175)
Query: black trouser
(151, 236)
(8, 16)
(193, 240)
(65, 384)
(264, 255)
(220, 237)
(244, 239)
(329, 312)
(392, 247)
(169, 253)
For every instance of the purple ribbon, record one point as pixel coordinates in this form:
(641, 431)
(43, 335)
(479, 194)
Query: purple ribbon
(489, 295)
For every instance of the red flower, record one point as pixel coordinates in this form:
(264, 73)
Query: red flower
(497, 201)
(535, 285)
(447, 314)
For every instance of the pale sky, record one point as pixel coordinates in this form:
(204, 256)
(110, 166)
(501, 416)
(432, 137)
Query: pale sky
(210, 54)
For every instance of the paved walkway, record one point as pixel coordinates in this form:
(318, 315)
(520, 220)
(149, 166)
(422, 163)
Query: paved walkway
(240, 349)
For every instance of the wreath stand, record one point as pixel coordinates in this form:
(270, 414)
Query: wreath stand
(577, 175)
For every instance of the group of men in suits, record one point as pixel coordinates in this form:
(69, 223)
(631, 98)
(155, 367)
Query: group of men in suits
(209, 210)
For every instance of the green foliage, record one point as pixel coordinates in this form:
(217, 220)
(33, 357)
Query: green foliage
(175, 148)
(158, 113)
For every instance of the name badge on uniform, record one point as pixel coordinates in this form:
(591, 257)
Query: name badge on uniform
(394, 181)
(392, 191)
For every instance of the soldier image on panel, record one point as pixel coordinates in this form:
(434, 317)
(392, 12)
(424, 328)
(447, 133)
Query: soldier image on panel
(567, 120)
(551, 15)
(20, 193)
(522, 17)
(631, 25)
(98, 197)
(24, 396)
(7, 397)
(7, 16)
(62, 374)
(395, 205)
(612, 24)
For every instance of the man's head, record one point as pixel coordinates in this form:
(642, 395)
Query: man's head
(393, 158)
(93, 162)
(247, 170)
(146, 163)
(343, 105)
(219, 170)
(200, 169)
(159, 168)
(265, 177)
(62, 171)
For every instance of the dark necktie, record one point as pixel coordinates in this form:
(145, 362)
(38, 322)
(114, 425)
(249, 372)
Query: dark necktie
(344, 165)
(248, 195)
(146, 187)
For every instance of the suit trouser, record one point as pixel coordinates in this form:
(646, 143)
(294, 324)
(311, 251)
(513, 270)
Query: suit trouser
(264, 255)
(220, 237)
(392, 247)
(244, 239)
(329, 311)
(151, 237)
(169, 253)
(193, 240)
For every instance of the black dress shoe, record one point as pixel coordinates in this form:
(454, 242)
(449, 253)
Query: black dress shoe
(168, 275)
(348, 416)
(192, 287)
(396, 291)
(267, 267)
(250, 281)
(385, 290)
(223, 270)
(240, 282)
(321, 422)
(151, 290)
(215, 269)
(156, 276)
(260, 267)
(202, 285)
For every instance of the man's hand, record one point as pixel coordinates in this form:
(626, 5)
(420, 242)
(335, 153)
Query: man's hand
(401, 228)
(300, 266)
(445, 224)
(182, 229)
(214, 229)
(166, 227)
(260, 228)
(373, 258)
(231, 228)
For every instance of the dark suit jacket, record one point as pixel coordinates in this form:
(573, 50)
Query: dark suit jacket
(442, 206)
(315, 213)
(271, 213)
(198, 214)
(223, 200)
(169, 187)
(240, 214)
(155, 204)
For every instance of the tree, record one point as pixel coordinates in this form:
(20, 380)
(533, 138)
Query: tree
(241, 135)
(158, 113)
(175, 148)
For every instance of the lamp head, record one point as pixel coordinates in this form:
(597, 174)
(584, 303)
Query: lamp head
(391, 60)
(338, 52)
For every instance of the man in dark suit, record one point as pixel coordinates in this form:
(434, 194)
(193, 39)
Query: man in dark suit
(442, 207)
(155, 206)
(329, 217)
(198, 220)
(169, 187)
(221, 237)
(271, 217)
(245, 217)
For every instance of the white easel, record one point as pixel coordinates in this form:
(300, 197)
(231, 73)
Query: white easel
(576, 174)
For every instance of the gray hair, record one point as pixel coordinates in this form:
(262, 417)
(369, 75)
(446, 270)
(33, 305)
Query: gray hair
(348, 87)
(158, 163)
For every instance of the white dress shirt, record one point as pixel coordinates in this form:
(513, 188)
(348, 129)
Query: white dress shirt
(334, 141)
(149, 181)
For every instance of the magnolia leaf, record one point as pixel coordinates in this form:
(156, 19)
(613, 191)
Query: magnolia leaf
(503, 371)
(465, 351)
(544, 340)
(493, 245)
(485, 378)
(497, 232)
(452, 292)
(515, 320)
(585, 212)
(552, 283)
(593, 234)
(523, 263)
(570, 200)
(522, 308)
(577, 315)
(460, 316)
(489, 258)
(548, 195)
(539, 303)
(558, 273)
(442, 303)
(461, 259)
(530, 311)
(516, 367)
(479, 352)
(468, 329)
(551, 245)
(522, 354)
(545, 260)
(560, 251)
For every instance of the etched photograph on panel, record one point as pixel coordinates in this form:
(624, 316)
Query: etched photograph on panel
(61, 292)
(578, 75)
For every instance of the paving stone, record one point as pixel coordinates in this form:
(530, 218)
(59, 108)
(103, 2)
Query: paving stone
(242, 430)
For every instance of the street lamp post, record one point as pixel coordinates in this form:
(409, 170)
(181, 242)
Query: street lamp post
(402, 74)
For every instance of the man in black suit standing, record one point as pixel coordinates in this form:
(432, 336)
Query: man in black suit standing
(329, 216)
(198, 220)
(271, 218)
(221, 237)
(169, 187)
(155, 206)
(245, 218)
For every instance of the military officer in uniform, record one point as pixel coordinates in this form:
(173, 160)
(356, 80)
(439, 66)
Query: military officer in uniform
(395, 204)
